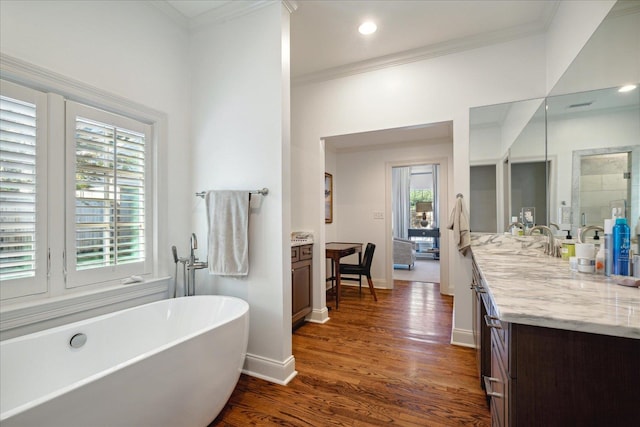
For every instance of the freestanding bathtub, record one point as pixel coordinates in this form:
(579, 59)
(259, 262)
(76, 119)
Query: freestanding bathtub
(169, 363)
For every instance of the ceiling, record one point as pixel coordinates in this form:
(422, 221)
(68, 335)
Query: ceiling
(325, 42)
(324, 34)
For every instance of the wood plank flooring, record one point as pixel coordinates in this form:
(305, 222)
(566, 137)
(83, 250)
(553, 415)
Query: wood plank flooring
(372, 364)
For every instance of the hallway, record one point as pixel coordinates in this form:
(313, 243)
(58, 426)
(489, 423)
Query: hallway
(380, 363)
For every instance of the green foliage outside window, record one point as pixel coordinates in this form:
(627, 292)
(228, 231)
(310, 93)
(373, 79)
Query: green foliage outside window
(420, 196)
(417, 196)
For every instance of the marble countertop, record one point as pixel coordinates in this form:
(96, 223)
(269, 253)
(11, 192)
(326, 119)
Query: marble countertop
(529, 287)
(301, 242)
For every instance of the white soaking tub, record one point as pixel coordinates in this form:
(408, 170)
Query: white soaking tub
(169, 363)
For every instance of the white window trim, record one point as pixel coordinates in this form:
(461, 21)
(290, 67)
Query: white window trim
(22, 73)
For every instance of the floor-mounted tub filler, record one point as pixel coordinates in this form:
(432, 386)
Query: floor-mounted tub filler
(169, 363)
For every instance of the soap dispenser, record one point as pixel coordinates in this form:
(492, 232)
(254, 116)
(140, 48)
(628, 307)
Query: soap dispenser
(568, 247)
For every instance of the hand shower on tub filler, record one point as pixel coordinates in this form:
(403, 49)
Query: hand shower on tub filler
(189, 267)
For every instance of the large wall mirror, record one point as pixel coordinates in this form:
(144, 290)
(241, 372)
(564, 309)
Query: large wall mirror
(579, 148)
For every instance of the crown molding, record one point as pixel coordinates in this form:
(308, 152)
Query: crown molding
(423, 53)
(171, 12)
(226, 12)
(291, 5)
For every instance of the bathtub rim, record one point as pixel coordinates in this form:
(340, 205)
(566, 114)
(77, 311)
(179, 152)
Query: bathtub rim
(103, 373)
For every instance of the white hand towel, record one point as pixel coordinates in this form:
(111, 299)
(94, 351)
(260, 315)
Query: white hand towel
(459, 223)
(228, 220)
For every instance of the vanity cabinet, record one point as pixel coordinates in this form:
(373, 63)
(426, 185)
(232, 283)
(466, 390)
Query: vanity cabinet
(540, 376)
(301, 283)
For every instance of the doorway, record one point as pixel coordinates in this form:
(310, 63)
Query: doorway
(417, 215)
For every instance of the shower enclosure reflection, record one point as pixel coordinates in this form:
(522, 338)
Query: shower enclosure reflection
(597, 134)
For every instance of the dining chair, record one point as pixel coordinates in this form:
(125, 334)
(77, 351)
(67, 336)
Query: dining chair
(362, 269)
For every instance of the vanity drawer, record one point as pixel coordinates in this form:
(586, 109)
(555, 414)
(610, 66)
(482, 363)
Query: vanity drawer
(295, 254)
(306, 252)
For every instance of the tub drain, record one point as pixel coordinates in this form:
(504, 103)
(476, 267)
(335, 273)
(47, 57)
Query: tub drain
(78, 340)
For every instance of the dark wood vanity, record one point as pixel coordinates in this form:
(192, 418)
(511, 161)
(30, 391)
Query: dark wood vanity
(542, 376)
(301, 283)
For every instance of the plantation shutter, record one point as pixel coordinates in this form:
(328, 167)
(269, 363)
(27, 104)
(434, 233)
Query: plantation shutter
(22, 193)
(18, 189)
(110, 157)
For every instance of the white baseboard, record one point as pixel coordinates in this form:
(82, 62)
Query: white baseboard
(318, 316)
(463, 338)
(269, 369)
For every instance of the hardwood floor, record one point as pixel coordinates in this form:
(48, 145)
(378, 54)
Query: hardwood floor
(372, 364)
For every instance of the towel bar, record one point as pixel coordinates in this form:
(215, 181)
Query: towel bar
(262, 192)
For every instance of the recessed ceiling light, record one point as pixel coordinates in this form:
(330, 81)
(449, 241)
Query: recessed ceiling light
(367, 28)
(627, 88)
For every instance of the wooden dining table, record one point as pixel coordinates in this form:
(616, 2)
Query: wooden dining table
(335, 251)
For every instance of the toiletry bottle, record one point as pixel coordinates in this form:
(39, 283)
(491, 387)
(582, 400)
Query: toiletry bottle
(600, 261)
(621, 238)
(608, 247)
(638, 234)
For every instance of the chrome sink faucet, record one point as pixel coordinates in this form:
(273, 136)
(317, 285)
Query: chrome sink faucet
(517, 224)
(550, 246)
(584, 230)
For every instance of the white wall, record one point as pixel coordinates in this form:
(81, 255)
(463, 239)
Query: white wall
(240, 135)
(435, 90)
(331, 229)
(574, 22)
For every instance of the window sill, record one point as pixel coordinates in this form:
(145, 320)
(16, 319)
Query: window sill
(26, 317)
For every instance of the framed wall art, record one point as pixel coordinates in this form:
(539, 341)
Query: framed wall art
(328, 198)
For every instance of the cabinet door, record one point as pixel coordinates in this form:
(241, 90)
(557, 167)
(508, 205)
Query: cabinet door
(497, 386)
(481, 332)
(301, 290)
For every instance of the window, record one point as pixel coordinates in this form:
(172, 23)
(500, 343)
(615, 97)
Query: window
(107, 156)
(23, 246)
(99, 167)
